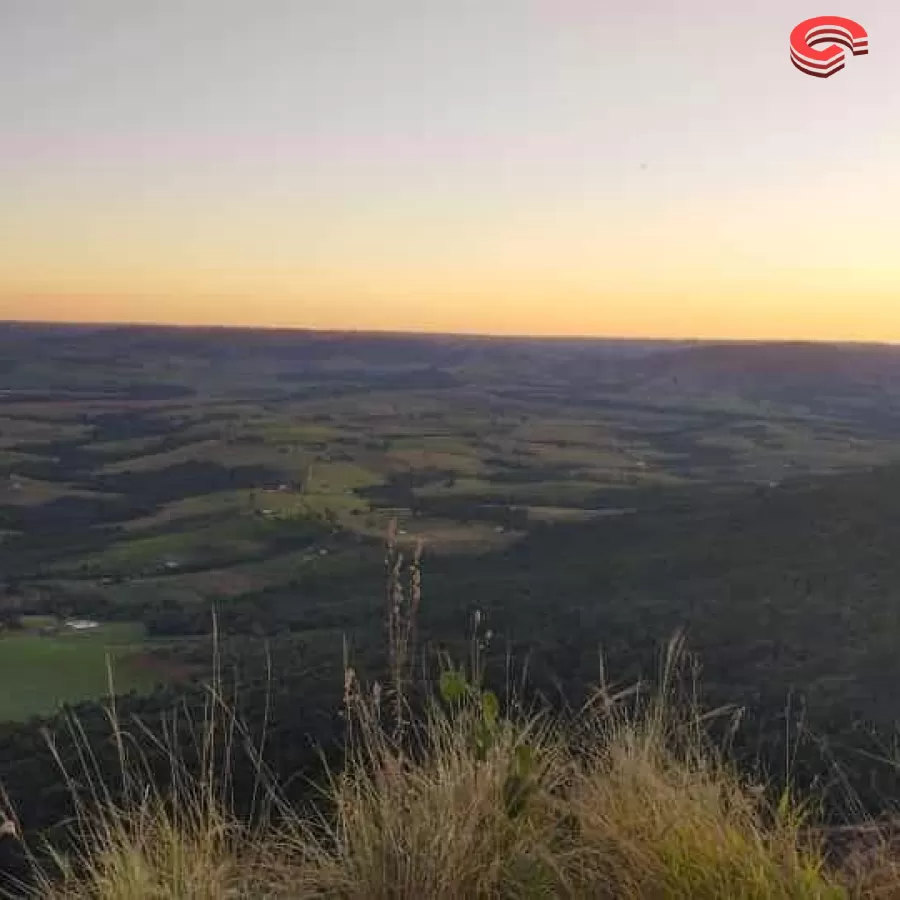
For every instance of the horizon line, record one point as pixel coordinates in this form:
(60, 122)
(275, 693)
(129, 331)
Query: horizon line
(472, 335)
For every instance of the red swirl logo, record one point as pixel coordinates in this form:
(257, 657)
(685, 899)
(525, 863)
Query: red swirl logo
(821, 62)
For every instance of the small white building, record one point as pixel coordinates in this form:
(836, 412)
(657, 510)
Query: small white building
(81, 624)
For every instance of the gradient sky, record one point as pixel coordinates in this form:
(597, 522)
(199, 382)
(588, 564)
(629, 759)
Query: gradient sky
(583, 167)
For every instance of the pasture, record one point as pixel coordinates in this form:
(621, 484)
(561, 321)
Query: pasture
(40, 672)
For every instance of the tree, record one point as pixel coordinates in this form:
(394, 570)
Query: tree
(10, 620)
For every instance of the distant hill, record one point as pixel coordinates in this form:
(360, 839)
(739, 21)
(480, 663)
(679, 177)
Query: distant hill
(772, 367)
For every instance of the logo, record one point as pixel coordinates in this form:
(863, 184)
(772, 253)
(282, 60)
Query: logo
(825, 61)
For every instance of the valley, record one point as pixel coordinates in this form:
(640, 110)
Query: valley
(197, 492)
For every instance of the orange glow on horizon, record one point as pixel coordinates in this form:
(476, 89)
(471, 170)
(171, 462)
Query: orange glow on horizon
(751, 314)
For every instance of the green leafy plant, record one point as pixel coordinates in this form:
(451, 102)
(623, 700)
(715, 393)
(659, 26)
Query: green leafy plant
(477, 710)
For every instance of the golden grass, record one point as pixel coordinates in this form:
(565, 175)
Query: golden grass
(626, 799)
(631, 819)
(661, 814)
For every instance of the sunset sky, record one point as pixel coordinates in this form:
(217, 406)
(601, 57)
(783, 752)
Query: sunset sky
(648, 168)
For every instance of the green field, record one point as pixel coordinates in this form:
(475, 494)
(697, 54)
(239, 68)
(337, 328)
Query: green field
(40, 672)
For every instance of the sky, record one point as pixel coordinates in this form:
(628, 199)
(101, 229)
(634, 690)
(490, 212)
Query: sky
(561, 167)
